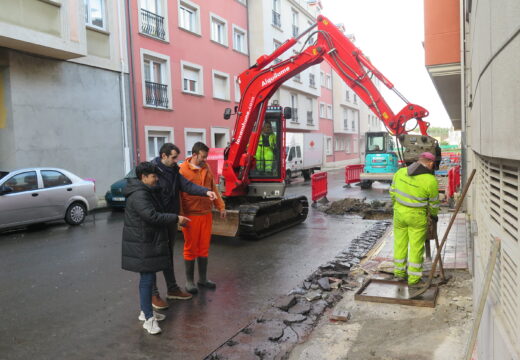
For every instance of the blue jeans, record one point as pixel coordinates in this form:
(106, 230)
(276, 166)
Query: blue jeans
(146, 283)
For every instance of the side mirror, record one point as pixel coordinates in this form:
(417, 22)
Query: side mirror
(4, 189)
(227, 113)
(287, 113)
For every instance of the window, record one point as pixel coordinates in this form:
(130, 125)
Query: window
(239, 40)
(156, 79)
(218, 30)
(354, 115)
(277, 21)
(328, 145)
(95, 13)
(220, 85)
(336, 143)
(155, 138)
(189, 16)
(276, 45)
(322, 111)
(295, 28)
(192, 136)
(312, 81)
(26, 181)
(347, 145)
(192, 78)
(347, 95)
(355, 99)
(355, 146)
(151, 21)
(219, 137)
(322, 78)
(294, 106)
(345, 119)
(53, 178)
(310, 117)
(329, 111)
(328, 81)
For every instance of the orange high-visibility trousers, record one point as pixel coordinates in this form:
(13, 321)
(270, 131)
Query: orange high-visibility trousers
(197, 236)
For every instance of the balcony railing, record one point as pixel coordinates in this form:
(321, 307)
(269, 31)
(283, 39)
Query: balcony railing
(156, 94)
(152, 24)
(277, 20)
(295, 30)
(310, 120)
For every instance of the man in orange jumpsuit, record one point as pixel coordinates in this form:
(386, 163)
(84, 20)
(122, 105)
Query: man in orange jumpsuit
(197, 234)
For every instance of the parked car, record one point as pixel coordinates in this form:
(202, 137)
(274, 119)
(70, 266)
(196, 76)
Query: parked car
(36, 195)
(115, 197)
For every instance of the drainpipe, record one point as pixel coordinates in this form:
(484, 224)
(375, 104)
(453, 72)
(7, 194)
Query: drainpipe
(126, 148)
(137, 154)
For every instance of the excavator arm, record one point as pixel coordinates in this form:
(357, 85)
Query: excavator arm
(260, 81)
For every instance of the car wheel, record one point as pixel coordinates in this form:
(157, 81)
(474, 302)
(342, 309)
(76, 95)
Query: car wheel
(76, 213)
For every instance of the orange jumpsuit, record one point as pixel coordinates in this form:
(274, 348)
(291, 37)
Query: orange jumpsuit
(197, 233)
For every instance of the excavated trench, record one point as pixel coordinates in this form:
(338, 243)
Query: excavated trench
(289, 319)
(373, 210)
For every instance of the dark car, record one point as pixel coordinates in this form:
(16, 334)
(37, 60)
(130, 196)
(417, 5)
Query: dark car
(114, 197)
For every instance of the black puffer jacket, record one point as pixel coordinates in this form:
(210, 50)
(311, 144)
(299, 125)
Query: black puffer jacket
(145, 234)
(171, 183)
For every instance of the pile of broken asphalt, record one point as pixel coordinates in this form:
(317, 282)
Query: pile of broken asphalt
(291, 318)
(374, 210)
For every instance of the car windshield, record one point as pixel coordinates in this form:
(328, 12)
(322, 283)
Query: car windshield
(131, 174)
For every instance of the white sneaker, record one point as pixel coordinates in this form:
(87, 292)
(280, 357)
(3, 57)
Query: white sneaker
(152, 326)
(157, 316)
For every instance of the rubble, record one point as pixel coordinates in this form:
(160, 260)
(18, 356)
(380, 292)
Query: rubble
(375, 210)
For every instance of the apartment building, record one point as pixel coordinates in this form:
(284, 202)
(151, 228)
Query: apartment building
(62, 87)
(271, 23)
(185, 58)
(472, 50)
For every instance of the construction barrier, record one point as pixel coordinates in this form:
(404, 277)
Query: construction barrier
(319, 186)
(352, 173)
(453, 181)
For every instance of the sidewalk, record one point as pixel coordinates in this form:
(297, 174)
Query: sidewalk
(398, 332)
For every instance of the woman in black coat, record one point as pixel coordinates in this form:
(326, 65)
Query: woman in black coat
(145, 237)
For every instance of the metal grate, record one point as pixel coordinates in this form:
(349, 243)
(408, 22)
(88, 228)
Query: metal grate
(152, 24)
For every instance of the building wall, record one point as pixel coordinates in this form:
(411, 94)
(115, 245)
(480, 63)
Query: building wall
(63, 115)
(492, 94)
(187, 112)
(442, 35)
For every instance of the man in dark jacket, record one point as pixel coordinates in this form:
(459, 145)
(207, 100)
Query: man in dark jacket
(145, 238)
(171, 183)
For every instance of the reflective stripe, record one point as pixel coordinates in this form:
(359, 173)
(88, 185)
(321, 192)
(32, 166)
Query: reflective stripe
(414, 273)
(401, 261)
(410, 196)
(435, 205)
(415, 205)
(435, 198)
(418, 266)
(399, 266)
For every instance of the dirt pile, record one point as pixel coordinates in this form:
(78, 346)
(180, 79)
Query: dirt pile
(367, 210)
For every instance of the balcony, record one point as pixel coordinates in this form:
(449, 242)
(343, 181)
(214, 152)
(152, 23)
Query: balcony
(277, 19)
(442, 53)
(310, 119)
(152, 24)
(156, 94)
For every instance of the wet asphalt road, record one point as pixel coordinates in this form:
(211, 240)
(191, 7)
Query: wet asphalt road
(63, 294)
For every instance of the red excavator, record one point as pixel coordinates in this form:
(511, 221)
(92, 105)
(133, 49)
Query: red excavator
(252, 167)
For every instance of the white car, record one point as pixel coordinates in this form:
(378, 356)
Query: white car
(36, 195)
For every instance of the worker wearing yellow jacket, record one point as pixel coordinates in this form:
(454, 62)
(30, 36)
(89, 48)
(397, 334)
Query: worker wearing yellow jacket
(266, 149)
(415, 196)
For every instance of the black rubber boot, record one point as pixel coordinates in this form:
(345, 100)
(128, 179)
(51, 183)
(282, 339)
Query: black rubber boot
(190, 271)
(203, 269)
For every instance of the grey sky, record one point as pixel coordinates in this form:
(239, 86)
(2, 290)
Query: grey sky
(391, 33)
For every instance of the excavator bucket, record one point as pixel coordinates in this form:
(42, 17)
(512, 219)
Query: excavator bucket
(228, 226)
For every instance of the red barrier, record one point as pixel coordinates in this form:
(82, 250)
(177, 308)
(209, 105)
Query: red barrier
(352, 173)
(453, 180)
(319, 185)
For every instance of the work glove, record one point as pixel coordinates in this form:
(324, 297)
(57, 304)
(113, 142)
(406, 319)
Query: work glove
(434, 218)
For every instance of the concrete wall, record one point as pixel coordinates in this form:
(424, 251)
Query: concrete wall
(64, 115)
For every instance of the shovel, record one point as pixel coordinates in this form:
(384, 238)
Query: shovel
(426, 286)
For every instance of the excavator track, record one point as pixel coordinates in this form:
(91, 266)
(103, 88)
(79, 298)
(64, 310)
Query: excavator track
(261, 219)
